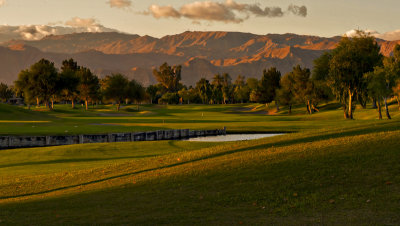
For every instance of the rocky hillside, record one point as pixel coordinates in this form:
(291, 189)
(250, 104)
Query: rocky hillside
(202, 54)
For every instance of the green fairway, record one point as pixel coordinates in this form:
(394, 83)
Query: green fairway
(237, 118)
(330, 172)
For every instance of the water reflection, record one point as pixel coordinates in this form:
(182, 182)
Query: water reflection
(232, 137)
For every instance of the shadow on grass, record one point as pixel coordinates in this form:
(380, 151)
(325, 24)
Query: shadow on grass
(74, 161)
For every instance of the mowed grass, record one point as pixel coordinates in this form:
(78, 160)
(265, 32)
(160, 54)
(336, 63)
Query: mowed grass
(237, 118)
(331, 172)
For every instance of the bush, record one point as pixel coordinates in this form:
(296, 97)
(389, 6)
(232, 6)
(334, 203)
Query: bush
(169, 98)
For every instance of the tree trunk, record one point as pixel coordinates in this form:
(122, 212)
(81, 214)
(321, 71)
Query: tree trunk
(363, 104)
(119, 105)
(350, 104)
(290, 109)
(86, 104)
(314, 108)
(48, 105)
(29, 106)
(276, 103)
(387, 109)
(52, 103)
(374, 104)
(379, 109)
(309, 107)
(346, 114)
(73, 104)
(37, 102)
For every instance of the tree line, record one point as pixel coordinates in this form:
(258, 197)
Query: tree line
(354, 72)
(43, 83)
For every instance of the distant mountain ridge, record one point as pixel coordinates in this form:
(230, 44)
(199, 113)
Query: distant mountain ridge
(202, 54)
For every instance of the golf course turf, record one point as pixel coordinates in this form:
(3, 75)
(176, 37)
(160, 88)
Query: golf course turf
(328, 171)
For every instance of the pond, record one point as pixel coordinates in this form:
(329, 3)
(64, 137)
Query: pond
(232, 137)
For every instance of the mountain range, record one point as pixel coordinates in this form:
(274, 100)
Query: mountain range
(201, 54)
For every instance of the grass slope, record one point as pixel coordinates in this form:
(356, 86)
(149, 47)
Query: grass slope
(342, 174)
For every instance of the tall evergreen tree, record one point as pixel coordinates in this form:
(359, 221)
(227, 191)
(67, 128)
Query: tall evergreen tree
(69, 81)
(269, 83)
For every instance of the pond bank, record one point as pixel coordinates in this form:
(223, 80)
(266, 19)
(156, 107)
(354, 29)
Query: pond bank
(9, 142)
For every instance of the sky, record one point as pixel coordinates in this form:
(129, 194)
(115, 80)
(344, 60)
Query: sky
(33, 19)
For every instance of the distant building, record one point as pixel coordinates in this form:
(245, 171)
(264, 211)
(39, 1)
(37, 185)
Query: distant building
(16, 101)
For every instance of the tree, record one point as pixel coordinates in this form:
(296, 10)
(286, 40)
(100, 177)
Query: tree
(252, 83)
(396, 59)
(227, 89)
(40, 81)
(184, 95)
(116, 88)
(302, 89)
(269, 83)
(396, 92)
(217, 89)
(320, 73)
(136, 92)
(350, 61)
(285, 93)
(25, 88)
(254, 95)
(169, 76)
(69, 81)
(242, 91)
(376, 86)
(89, 85)
(382, 82)
(169, 98)
(152, 92)
(204, 89)
(5, 92)
(46, 80)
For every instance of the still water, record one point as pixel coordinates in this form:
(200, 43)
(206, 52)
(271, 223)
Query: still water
(232, 137)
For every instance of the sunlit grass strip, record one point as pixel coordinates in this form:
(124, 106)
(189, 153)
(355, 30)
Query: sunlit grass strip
(15, 121)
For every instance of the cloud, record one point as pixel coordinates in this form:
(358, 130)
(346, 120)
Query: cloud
(209, 11)
(37, 32)
(266, 12)
(298, 10)
(121, 4)
(163, 11)
(88, 25)
(229, 11)
(389, 36)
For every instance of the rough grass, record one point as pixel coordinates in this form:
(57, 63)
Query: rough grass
(332, 172)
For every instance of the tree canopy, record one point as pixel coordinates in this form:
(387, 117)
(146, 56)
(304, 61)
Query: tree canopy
(352, 58)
